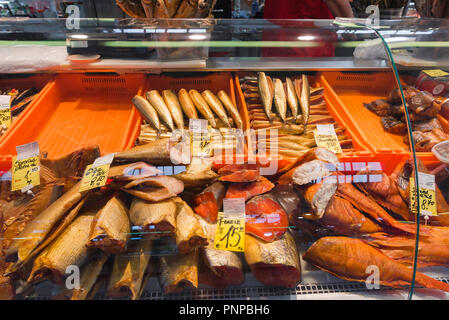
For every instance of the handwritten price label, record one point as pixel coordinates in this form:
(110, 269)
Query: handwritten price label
(201, 144)
(325, 137)
(200, 138)
(5, 117)
(427, 199)
(5, 111)
(25, 172)
(230, 233)
(436, 73)
(94, 177)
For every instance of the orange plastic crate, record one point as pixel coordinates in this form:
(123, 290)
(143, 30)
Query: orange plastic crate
(39, 81)
(349, 91)
(203, 81)
(78, 110)
(361, 149)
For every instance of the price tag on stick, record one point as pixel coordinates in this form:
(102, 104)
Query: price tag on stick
(26, 167)
(5, 111)
(200, 138)
(230, 231)
(427, 199)
(325, 137)
(96, 174)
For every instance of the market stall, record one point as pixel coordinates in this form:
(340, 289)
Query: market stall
(223, 159)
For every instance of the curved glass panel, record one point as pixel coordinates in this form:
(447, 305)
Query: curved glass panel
(419, 55)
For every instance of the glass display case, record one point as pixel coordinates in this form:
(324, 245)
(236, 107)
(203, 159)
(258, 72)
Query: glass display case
(223, 159)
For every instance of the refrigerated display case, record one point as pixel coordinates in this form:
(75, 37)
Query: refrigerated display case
(303, 122)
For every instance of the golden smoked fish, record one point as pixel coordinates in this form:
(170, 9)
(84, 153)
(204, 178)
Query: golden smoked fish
(187, 104)
(172, 102)
(189, 232)
(274, 263)
(156, 153)
(157, 220)
(198, 173)
(216, 105)
(179, 272)
(292, 99)
(265, 94)
(303, 92)
(18, 216)
(38, 229)
(67, 250)
(280, 100)
(172, 6)
(231, 108)
(133, 171)
(111, 228)
(161, 10)
(225, 267)
(129, 269)
(147, 111)
(203, 107)
(162, 110)
(89, 275)
(72, 164)
(155, 188)
(186, 9)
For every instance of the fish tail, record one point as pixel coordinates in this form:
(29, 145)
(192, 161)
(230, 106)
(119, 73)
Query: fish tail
(431, 283)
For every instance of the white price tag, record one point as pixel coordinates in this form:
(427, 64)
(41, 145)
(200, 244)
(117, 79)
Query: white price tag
(426, 181)
(234, 207)
(325, 129)
(5, 101)
(198, 125)
(28, 150)
(103, 160)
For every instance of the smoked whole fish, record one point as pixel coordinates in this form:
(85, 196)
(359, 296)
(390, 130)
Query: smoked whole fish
(265, 94)
(129, 270)
(280, 100)
(292, 99)
(89, 275)
(67, 250)
(189, 232)
(179, 272)
(172, 102)
(274, 263)
(231, 108)
(203, 107)
(159, 105)
(156, 220)
(147, 111)
(187, 104)
(216, 105)
(37, 230)
(349, 259)
(155, 189)
(111, 228)
(156, 152)
(223, 268)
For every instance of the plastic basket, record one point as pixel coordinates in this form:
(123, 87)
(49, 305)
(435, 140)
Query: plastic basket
(348, 92)
(78, 110)
(204, 81)
(22, 82)
(361, 149)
